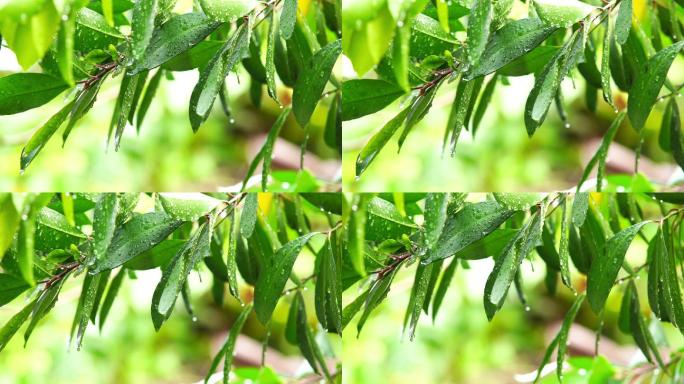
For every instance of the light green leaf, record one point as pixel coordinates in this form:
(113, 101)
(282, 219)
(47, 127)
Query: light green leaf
(142, 26)
(479, 23)
(104, 223)
(187, 206)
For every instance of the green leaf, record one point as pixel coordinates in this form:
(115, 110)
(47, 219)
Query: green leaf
(361, 97)
(176, 272)
(150, 93)
(270, 59)
(562, 13)
(479, 23)
(417, 300)
(20, 92)
(608, 37)
(483, 104)
(229, 253)
(104, 223)
(623, 23)
(212, 77)
(227, 11)
(376, 294)
(43, 135)
(507, 264)
(44, 304)
(563, 251)
(385, 221)
(465, 94)
(9, 221)
(604, 270)
(330, 202)
(472, 223)
(328, 294)
(532, 62)
(580, 205)
(156, 256)
(13, 325)
(108, 11)
(518, 201)
(565, 332)
(227, 351)
(138, 235)
(435, 216)
(30, 34)
(601, 154)
(144, 14)
(269, 144)
(65, 42)
(288, 18)
(85, 306)
(11, 287)
(420, 106)
(124, 103)
(187, 206)
(676, 139)
(333, 124)
(444, 283)
(111, 295)
(545, 89)
(509, 43)
(356, 233)
(93, 32)
(175, 37)
(248, 217)
(671, 291)
(379, 140)
(84, 101)
(646, 86)
(271, 282)
(311, 83)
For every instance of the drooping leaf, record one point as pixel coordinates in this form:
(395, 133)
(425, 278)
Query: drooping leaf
(470, 224)
(43, 135)
(271, 283)
(110, 296)
(270, 144)
(138, 235)
(379, 140)
(604, 270)
(510, 42)
(311, 83)
(174, 37)
(361, 97)
(644, 91)
(20, 92)
(227, 351)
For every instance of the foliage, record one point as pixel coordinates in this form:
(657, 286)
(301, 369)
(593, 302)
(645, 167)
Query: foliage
(48, 239)
(481, 44)
(81, 44)
(582, 240)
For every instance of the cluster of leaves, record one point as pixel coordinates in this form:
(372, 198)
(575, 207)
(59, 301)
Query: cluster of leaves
(81, 43)
(49, 239)
(582, 238)
(477, 44)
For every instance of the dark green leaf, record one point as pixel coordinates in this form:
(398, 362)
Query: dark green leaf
(510, 42)
(470, 224)
(144, 13)
(379, 140)
(111, 295)
(288, 18)
(479, 23)
(363, 97)
(20, 92)
(174, 37)
(604, 270)
(249, 215)
(104, 223)
(13, 325)
(11, 287)
(135, 237)
(564, 333)
(43, 135)
(271, 283)
(311, 83)
(269, 144)
(228, 350)
(623, 23)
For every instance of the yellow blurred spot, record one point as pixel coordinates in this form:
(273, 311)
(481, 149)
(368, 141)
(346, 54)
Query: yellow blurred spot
(264, 199)
(303, 6)
(596, 197)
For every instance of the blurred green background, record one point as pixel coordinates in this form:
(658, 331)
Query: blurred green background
(461, 346)
(501, 157)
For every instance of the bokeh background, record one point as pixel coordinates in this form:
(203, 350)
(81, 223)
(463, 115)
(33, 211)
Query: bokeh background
(166, 155)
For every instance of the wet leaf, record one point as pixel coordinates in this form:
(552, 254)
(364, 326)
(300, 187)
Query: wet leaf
(271, 282)
(187, 206)
(604, 270)
(20, 92)
(361, 97)
(311, 83)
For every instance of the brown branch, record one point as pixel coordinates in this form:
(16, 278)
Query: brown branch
(66, 268)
